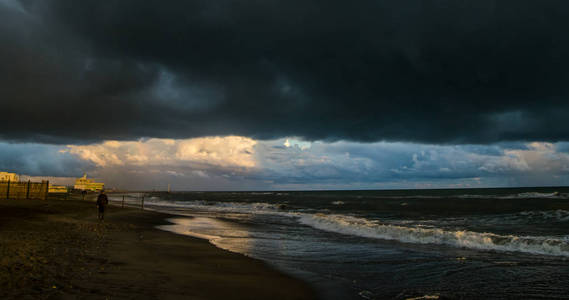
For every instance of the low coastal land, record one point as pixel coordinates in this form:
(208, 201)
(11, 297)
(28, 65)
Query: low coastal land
(58, 249)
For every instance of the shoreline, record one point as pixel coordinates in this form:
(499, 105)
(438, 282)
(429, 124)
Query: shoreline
(57, 248)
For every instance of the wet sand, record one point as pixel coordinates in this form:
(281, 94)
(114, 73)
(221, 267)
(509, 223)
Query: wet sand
(57, 249)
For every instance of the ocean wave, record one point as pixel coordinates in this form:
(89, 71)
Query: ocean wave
(409, 197)
(420, 235)
(525, 217)
(233, 207)
(550, 215)
(526, 195)
(529, 195)
(410, 232)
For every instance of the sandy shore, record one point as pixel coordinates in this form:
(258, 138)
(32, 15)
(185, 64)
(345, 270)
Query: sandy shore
(57, 249)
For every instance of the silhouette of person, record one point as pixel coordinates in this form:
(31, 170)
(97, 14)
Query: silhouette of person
(102, 202)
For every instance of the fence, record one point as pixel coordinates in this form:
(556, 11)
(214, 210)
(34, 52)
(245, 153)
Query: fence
(24, 190)
(130, 200)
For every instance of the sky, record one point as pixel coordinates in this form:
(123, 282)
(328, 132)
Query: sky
(281, 95)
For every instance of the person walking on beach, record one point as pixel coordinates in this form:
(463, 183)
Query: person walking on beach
(102, 202)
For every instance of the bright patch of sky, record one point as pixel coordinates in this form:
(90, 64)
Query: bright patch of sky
(302, 145)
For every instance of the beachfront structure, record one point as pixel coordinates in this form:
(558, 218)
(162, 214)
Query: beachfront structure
(88, 184)
(5, 176)
(57, 189)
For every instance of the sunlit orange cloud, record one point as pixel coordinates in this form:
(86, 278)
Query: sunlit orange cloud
(540, 156)
(226, 152)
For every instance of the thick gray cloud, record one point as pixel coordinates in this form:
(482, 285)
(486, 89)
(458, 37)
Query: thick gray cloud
(357, 163)
(424, 71)
(41, 160)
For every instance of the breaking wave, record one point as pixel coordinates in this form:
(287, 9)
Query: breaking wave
(465, 239)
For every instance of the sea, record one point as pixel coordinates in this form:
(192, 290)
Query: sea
(503, 243)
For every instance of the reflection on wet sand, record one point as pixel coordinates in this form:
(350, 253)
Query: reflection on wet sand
(218, 232)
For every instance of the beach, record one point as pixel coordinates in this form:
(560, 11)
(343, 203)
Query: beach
(434, 244)
(58, 249)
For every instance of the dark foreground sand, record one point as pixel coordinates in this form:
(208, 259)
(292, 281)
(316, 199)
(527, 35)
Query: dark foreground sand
(57, 249)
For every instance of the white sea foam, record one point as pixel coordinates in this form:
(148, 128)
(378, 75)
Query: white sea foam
(467, 239)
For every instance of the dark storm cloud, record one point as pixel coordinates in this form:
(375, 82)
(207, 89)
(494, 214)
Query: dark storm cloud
(423, 71)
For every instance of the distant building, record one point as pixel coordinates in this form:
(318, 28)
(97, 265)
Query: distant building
(5, 176)
(88, 184)
(57, 189)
